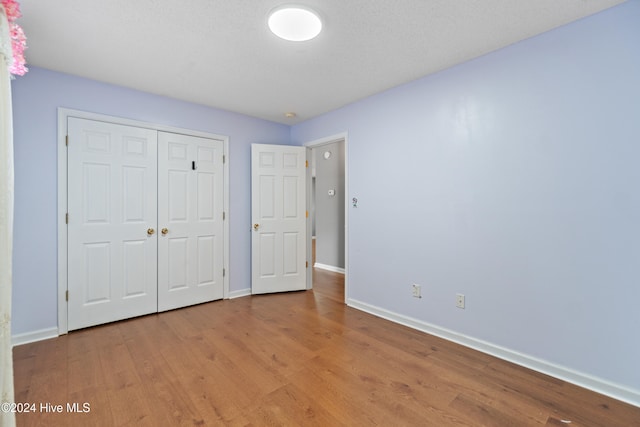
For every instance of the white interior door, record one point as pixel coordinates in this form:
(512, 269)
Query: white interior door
(112, 259)
(279, 216)
(190, 218)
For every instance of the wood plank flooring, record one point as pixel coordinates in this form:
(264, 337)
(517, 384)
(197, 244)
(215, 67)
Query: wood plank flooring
(291, 359)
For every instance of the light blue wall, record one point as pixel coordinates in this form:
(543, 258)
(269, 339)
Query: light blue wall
(512, 178)
(36, 97)
(515, 180)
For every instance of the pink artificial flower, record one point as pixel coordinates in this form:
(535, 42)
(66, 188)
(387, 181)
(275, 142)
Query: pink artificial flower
(16, 33)
(18, 39)
(18, 45)
(11, 9)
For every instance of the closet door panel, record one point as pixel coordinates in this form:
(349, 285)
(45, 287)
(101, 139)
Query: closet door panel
(190, 214)
(112, 205)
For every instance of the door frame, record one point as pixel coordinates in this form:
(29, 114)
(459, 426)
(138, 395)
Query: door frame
(63, 115)
(343, 136)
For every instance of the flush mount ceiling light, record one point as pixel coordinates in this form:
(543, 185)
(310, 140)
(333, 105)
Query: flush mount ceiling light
(294, 23)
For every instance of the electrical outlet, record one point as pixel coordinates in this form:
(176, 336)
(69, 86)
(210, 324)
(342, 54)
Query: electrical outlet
(416, 291)
(460, 300)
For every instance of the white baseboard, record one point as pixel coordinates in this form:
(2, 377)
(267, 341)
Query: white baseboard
(329, 268)
(29, 337)
(240, 293)
(45, 334)
(581, 379)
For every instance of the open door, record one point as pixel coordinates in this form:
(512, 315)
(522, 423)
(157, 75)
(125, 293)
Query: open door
(279, 218)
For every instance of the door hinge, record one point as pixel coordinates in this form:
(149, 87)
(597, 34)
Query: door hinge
(224, 159)
(224, 215)
(306, 264)
(66, 140)
(307, 214)
(66, 295)
(224, 272)
(66, 218)
(306, 163)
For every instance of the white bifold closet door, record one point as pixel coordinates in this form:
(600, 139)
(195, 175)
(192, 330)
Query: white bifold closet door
(190, 214)
(112, 205)
(145, 227)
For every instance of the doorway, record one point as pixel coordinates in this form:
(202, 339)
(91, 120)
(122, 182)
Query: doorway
(328, 205)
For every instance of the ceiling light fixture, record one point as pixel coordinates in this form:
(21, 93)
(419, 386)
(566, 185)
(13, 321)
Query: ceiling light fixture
(294, 23)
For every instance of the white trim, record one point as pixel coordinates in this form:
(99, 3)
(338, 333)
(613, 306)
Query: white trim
(226, 228)
(240, 293)
(343, 136)
(63, 115)
(63, 327)
(29, 337)
(598, 385)
(329, 268)
(308, 242)
(67, 112)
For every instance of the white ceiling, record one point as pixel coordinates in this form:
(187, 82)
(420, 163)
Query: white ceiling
(220, 53)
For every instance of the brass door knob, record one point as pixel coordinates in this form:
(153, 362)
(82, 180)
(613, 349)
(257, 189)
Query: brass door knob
(150, 231)
(164, 231)
(256, 226)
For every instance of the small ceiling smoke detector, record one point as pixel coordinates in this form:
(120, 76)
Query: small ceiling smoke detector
(290, 115)
(294, 23)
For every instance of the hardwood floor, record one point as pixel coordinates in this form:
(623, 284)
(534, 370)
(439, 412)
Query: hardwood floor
(300, 358)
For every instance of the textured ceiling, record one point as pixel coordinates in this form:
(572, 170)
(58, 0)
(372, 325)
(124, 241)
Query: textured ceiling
(220, 53)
